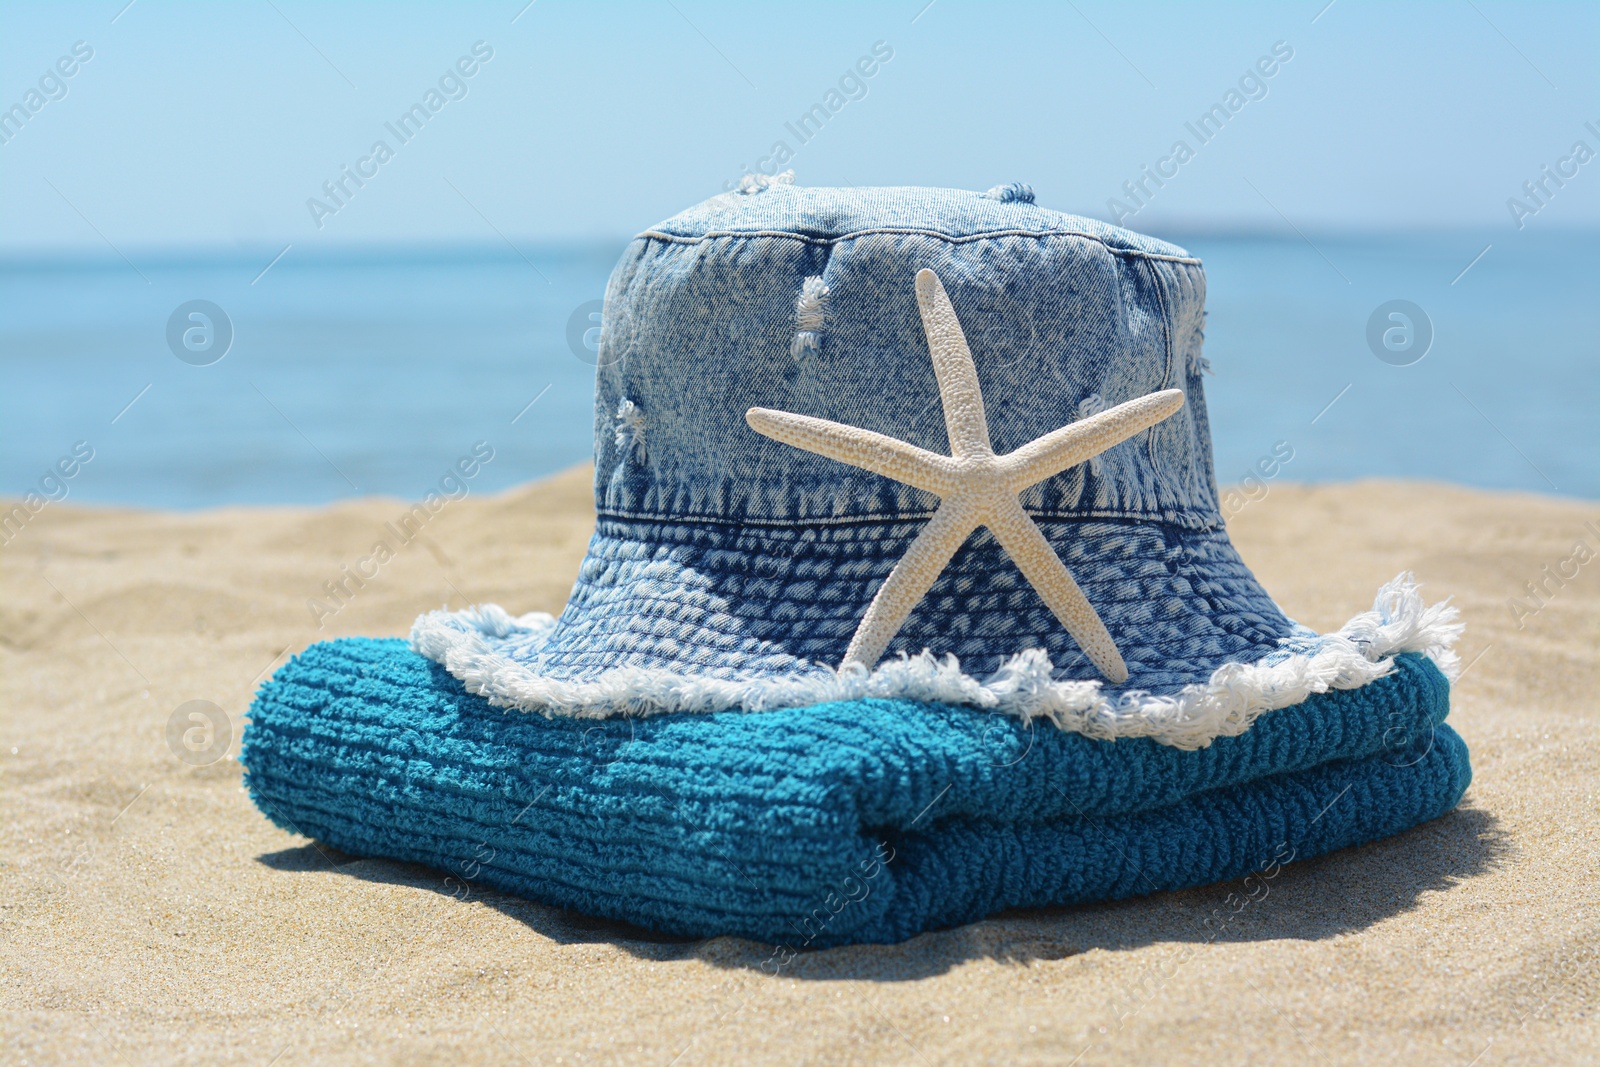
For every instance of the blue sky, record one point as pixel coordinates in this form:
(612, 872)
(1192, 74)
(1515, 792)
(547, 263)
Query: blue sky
(214, 124)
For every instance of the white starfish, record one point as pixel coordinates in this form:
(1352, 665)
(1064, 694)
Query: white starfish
(975, 486)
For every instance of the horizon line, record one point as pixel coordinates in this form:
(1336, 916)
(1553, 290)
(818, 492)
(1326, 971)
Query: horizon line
(22, 252)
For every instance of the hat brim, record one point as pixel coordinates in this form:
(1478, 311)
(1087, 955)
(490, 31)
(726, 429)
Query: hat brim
(701, 616)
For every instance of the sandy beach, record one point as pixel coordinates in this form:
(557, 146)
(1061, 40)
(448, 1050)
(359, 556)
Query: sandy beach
(152, 915)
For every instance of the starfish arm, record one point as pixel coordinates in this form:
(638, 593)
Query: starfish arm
(964, 418)
(909, 582)
(1038, 562)
(1086, 438)
(859, 448)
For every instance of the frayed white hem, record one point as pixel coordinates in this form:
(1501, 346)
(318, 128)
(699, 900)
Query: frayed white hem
(1225, 706)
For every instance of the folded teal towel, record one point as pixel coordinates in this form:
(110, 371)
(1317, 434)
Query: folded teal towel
(858, 821)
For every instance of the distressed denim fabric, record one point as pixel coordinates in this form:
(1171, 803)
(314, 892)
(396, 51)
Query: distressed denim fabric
(724, 553)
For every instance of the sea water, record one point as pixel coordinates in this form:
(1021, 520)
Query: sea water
(376, 371)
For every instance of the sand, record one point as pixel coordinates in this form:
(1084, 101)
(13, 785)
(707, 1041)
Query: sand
(150, 915)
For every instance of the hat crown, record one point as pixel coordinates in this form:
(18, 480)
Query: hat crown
(803, 300)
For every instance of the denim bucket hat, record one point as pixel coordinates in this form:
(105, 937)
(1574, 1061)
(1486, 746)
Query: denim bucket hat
(732, 570)
(909, 600)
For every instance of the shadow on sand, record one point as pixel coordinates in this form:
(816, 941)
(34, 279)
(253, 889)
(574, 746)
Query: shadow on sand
(1342, 893)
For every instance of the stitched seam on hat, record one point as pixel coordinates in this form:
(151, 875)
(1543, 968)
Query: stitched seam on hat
(1227, 704)
(712, 235)
(898, 517)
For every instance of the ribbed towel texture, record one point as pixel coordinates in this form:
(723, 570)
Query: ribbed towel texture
(861, 821)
